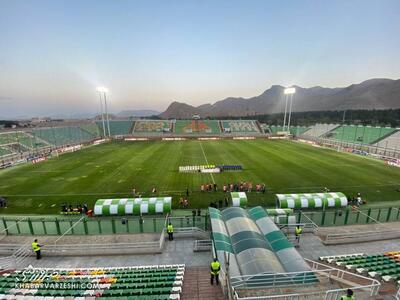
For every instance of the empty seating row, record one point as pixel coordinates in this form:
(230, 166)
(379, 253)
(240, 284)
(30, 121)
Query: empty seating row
(318, 130)
(123, 127)
(63, 135)
(385, 266)
(152, 126)
(240, 126)
(150, 282)
(21, 138)
(331, 258)
(197, 127)
(294, 130)
(359, 134)
(5, 151)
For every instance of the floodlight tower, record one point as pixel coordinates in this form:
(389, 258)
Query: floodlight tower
(102, 114)
(289, 92)
(284, 115)
(104, 91)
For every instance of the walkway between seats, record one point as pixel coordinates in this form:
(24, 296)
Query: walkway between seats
(196, 285)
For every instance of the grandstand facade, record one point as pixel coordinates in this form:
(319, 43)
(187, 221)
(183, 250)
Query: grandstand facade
(14, 144)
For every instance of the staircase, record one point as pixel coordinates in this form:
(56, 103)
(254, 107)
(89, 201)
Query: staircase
(196, 285)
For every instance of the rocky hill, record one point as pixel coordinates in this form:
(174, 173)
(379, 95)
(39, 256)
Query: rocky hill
(370, 94)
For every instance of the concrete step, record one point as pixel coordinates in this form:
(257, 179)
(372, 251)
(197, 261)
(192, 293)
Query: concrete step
(196, 285)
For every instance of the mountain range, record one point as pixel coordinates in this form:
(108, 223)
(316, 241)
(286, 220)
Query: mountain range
(378, 93)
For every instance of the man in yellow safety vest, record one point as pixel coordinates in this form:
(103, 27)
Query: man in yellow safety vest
(36, 248)
(215, 267)
(298, 231)
(349, 295)
(170, 231)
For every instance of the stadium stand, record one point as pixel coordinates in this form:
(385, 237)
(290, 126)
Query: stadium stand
(197, 127)
(359, 134)
(63, 135)
(240, 126)
(20, 141)
(265, 128)
(93, 129)
(150, 127)
(117, 127)
(318, 130)
(160, 282)
(392, 141)
(4, 151)
(385, 266)
(294, 130)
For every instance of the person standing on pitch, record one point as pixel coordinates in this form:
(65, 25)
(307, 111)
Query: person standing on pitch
(215, 268)
(170, 231)
(36, 249)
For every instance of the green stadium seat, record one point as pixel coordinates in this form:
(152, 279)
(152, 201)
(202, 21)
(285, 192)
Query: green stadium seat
(359, 134)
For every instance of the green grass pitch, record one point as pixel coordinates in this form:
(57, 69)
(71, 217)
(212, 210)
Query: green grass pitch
(111, 170)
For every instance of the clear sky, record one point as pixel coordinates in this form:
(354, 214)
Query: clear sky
(54, 53)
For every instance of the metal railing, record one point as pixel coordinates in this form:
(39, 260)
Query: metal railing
(202, 245)
(101, 249)
(371, 149)
(191, 232)
(360, 236)
(20, 254)
(370, 286)
(151, 247)
(307, 227)
(7, 263)
(80, 225)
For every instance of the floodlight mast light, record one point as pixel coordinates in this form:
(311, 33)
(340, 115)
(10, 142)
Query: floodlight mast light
(103, 90)
(102, 114)
(290, 91)
(108, 121)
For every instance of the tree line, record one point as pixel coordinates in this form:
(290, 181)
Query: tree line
(388, 117)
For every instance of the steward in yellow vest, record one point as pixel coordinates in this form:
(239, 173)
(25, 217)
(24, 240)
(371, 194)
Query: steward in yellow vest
(215, 268)
(170, 231)
(298, 231)
(36, 249)
(348, 296)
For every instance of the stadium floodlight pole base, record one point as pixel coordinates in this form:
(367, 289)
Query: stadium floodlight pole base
(108, 121)
(284, 116)
(102, 115)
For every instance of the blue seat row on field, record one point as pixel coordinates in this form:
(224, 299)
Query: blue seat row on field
(229, 167)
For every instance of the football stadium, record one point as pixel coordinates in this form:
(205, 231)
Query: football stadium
(199, 150)
(139, 209)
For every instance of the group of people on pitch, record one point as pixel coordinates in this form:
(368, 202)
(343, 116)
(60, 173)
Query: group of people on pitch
(244, 186)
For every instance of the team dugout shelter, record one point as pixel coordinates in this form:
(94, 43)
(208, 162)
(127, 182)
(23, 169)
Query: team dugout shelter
(311, 200)
(132, 206)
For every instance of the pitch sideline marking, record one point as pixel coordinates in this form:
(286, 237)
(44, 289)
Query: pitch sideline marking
(205, 157)
(180, 191)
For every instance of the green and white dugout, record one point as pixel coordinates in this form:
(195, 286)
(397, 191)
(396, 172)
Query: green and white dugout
(132, 206)
(272, 212)
(314, 200)
(239, 199)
